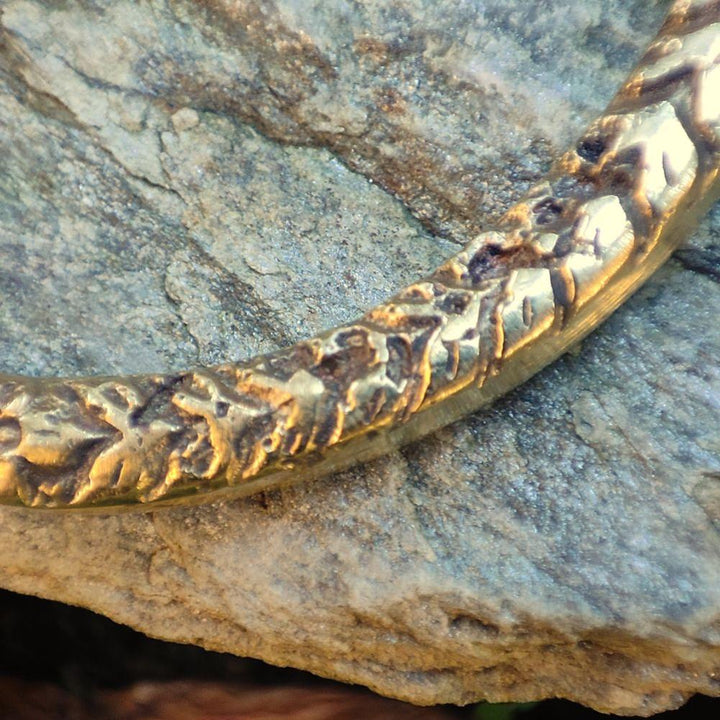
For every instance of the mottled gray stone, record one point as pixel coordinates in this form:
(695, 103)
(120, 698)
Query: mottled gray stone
(184, 183)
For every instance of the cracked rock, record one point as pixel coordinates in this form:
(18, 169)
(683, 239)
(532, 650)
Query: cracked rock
(185, 183)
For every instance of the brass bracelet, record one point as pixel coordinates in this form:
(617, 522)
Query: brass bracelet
(611, 210)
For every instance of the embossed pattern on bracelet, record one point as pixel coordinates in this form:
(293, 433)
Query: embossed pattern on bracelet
(556, 264)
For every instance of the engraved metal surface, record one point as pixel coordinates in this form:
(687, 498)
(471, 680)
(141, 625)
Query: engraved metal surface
(609, 213)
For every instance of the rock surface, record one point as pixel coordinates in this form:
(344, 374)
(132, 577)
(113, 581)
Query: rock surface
(189, 182)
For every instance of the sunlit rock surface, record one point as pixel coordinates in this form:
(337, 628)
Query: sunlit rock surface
(183, 183)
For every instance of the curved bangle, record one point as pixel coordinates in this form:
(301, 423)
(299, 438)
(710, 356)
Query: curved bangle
(558, 263)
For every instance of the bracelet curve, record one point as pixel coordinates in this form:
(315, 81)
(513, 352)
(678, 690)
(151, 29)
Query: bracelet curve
(608, 214)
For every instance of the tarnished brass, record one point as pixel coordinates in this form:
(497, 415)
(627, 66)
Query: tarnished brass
(610, 212)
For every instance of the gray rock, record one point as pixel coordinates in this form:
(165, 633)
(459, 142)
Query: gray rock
(184, 183)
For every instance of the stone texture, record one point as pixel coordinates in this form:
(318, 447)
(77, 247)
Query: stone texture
(189, 182)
